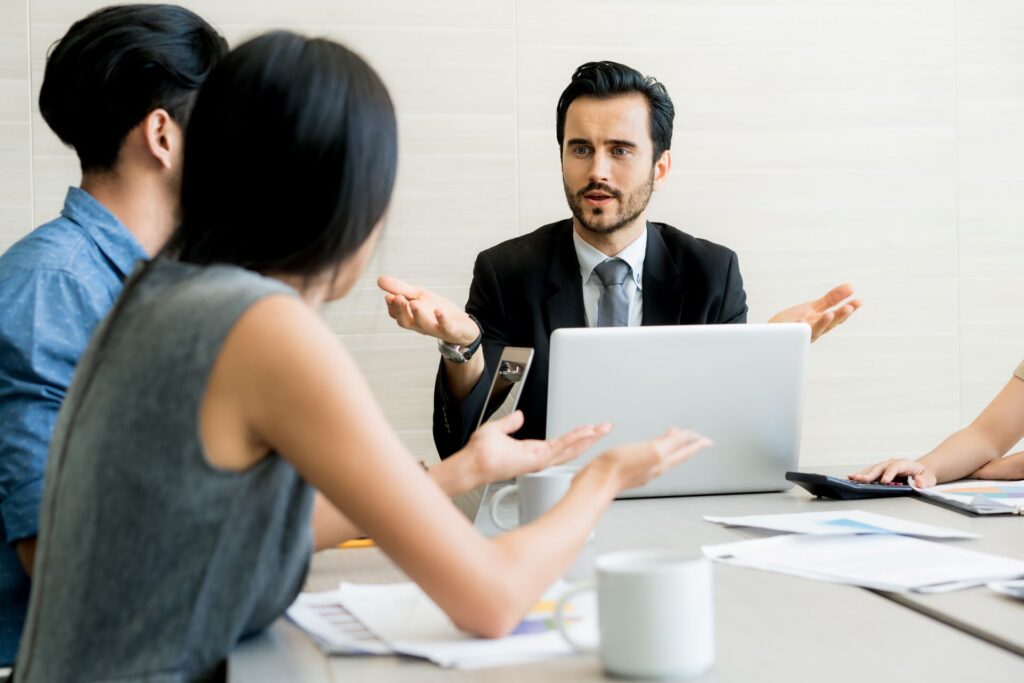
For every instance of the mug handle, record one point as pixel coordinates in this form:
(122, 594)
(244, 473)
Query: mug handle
(560, 617)
(498, 497)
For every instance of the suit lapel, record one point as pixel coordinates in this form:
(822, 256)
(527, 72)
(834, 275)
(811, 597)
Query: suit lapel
(564, 302)
(663, 283)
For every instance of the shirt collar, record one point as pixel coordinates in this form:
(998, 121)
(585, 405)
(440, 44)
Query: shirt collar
(634, 254)
(113, 238)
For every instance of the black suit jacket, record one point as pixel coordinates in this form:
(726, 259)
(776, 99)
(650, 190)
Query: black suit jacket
(529, 286)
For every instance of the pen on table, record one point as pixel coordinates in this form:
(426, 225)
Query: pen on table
(357, 543)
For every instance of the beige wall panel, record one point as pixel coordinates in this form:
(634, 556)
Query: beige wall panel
(363, 311)
(54, 166)
(991, 226)
(917, 306)
(15, 183)
(872, 397)
(738, 24)
(991, 137)
(854, 444)
(450, 69)
(465, 14)
(400, 369)
(444, 211)
(993, 300)
(989, 32)
(818, 141)
(990, 82)
(989, 353)
(876, 142)
(420, 443)
(15, 127)
(14, 91)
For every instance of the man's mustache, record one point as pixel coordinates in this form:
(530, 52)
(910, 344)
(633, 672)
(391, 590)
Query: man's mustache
(601, 187)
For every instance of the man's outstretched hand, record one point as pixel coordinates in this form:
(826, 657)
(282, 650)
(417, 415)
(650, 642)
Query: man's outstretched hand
(423, 311)
(824, 314)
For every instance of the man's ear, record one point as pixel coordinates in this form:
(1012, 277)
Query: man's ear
(662, 168)
(163, 137)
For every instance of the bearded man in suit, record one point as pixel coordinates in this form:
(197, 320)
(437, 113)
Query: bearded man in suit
(608, 265)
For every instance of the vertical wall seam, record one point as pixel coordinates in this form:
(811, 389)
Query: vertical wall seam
(515, 112)
(956, 200)
(31, 120)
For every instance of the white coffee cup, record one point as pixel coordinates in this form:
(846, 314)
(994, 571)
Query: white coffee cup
(538, 493)
(655, 614)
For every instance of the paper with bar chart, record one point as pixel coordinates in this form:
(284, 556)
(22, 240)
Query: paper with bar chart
(399, 618)
(980, 497)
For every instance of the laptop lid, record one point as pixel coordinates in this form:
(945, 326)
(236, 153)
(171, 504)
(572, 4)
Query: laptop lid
(740, 385)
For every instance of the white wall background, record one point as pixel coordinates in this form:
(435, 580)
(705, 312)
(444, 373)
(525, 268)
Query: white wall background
(879, 142)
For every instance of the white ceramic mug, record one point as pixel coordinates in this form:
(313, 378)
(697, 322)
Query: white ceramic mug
(655, 614)
(538, 493)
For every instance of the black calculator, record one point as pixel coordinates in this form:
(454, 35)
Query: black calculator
(839, 488)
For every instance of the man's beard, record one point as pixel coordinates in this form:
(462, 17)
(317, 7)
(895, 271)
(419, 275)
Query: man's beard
(629, 209)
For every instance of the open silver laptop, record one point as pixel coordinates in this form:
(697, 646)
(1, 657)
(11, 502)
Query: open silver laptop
(740, 385)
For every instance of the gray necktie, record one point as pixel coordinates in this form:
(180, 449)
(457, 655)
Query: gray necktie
(613, 306)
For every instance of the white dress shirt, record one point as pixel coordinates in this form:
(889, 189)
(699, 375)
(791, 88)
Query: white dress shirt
(589, 258)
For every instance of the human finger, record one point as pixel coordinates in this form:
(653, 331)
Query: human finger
(896, 469)
(681, 449)
(821, 325)
(508, 424)
(568, 446)
(871, 473)
(422, 315)
(834, 296)
(394, 285)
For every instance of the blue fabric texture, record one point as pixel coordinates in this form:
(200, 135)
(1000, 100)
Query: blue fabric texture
(56, 284)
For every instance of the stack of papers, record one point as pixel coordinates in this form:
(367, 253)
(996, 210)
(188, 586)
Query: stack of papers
(839, 522)
(980, 497)
(879, 561)
(864, 549)
(401, 619)
(334, 629)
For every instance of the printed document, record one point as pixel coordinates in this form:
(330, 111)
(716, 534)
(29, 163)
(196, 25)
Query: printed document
(836, 522)
(880, 561)
(400, 619)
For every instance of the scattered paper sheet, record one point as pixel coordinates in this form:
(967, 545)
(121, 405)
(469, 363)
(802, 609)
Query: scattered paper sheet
(1012, 588)
(838, 522)
(401, 619)
(981, 497)
(880, 561)
(334, 629)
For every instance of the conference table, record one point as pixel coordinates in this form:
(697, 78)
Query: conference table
(768, 626)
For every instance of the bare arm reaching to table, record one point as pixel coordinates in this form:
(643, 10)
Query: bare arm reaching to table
(301, 395)
(975, 451)
(490, 455)
(824, 314)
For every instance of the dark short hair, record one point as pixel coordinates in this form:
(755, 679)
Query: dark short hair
(290, 158)
(115, 66)
(611, 79)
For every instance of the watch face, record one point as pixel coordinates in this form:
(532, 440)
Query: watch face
(452, 353)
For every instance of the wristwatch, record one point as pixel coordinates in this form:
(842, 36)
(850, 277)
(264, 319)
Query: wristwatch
(457, 353)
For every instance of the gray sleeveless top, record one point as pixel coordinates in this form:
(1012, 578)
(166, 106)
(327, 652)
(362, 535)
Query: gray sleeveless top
(151, 563)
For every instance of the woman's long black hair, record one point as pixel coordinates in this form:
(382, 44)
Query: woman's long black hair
(290, 158)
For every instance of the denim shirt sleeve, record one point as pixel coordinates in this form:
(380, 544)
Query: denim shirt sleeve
(48, 317)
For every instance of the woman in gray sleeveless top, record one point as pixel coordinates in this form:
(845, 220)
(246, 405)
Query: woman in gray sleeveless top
(177, 512)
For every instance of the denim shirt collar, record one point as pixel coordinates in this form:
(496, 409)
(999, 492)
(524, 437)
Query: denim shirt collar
(109, 233)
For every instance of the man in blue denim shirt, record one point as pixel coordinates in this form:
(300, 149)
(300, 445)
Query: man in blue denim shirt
(118, 89)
